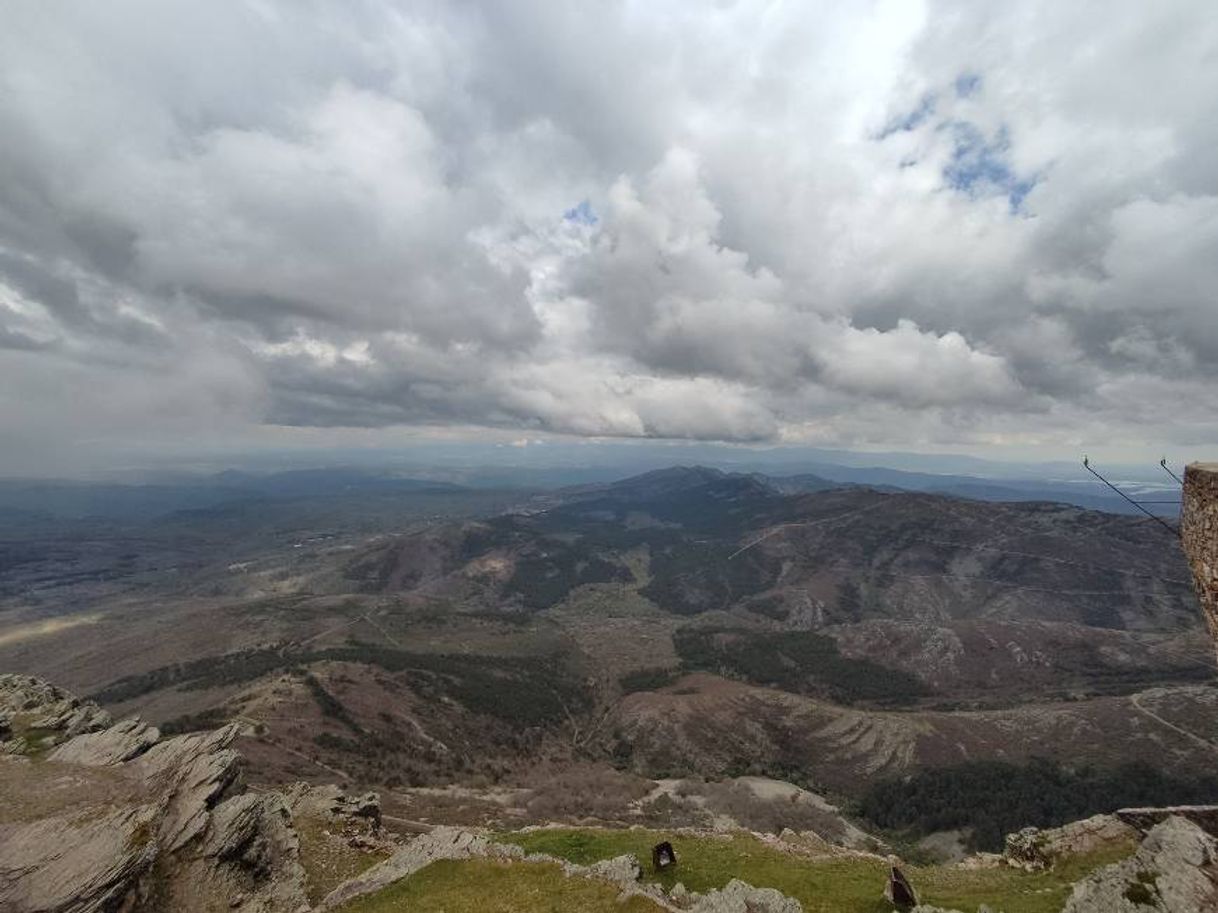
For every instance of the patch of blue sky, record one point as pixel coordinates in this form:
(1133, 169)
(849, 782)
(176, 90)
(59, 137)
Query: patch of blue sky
(581, 214)
(911, 120)
(980, 165)
(967, 85)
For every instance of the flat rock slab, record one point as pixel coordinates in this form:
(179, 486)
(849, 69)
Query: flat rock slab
(116, 745)
(57, 864)
(1143, 819)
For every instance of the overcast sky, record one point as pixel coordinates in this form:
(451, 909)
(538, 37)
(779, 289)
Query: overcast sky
(976, 226)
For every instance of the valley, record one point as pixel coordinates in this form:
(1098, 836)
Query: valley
(635, 652)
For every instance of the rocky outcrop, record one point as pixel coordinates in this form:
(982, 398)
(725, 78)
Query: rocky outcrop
(1175, 870)
(49, 706)
(36, 715)
(624, 869)
(115, 745)
(1033, 849)
(740, 897)
(195, 772)
(353, 814)
(1143, 819)
(57, 864)
(1199, 533)
(147, 825)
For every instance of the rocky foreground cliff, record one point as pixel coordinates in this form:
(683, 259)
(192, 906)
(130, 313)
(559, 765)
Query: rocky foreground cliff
(99, 816)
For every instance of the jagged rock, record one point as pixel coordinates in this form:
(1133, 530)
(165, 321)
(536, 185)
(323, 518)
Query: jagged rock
(253, 836)
(197, 770)
(624, 870)
(121, 742)
(15, 746)
(25, 694)
(6, 726)
(1025, 849)
(237, 823)
(740, 897)
(1143, 819)
(170, 755)
(1175, 870)
(47, 708)
(161, 826)
(58, 865)
(74, 721)
(330, 801)
(367, 806)
(1033, 849)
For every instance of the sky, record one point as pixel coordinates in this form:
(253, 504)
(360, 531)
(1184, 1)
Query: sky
(976, 227)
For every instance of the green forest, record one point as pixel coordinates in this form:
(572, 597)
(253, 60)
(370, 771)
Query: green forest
(994, 798)
(798, 661)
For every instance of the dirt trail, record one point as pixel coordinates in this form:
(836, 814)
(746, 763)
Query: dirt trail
(1133, 699)
(784, 526)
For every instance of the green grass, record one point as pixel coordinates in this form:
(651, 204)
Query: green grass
(491, 886)
(831, 885)
(38, 741)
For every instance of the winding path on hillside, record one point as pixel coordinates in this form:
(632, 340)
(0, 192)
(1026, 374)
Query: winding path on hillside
(773, 531)
(1133, 699)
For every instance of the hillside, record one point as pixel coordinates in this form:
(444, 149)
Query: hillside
(106, 815)
(488, 666)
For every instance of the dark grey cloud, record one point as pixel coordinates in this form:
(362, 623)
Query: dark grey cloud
(914, 224)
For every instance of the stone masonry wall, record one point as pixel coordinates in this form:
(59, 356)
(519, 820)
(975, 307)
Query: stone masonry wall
(1199, 531)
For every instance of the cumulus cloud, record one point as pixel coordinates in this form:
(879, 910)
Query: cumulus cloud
(897, 224)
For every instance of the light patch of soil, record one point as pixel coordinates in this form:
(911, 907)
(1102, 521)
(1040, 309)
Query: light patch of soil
(945, 846)
(496, 807)
(45, 627)
(762, 804)
(495, 565)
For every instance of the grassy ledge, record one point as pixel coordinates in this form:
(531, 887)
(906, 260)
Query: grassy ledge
(828, 885)
(494, 886)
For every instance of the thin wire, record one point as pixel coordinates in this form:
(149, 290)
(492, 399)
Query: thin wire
(1163, 463)
(1157, 519)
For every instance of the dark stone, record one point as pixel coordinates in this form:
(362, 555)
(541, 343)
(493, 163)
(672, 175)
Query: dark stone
(899, 890)
(663, 856)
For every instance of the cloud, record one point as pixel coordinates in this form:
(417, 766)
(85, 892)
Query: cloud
(908, 224)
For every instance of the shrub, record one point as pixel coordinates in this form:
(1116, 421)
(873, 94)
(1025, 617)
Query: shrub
(647, 679)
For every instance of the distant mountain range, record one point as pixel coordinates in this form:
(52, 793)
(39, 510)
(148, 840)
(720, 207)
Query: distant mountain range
(142, 502)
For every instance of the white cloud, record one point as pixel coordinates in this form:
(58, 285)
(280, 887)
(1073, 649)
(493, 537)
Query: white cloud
(903, 224)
